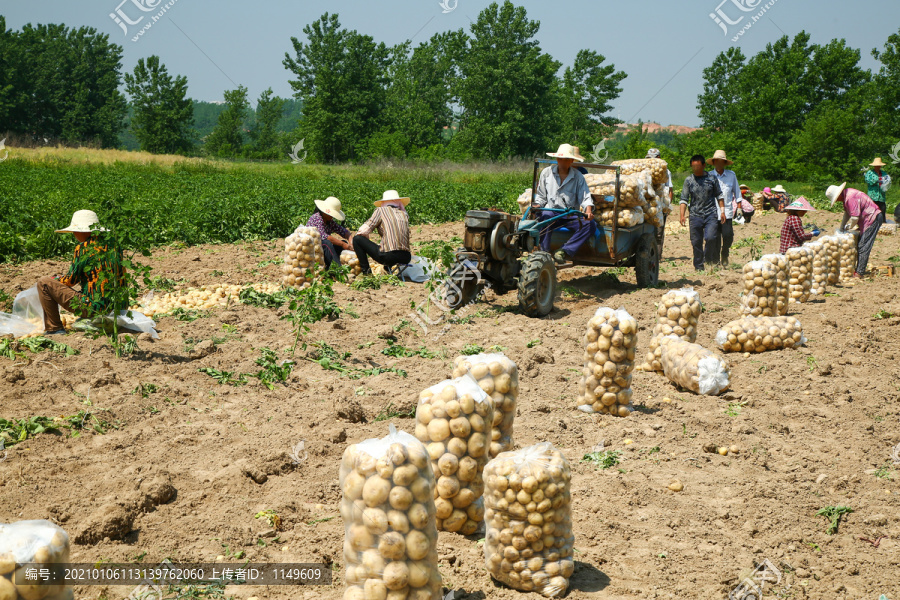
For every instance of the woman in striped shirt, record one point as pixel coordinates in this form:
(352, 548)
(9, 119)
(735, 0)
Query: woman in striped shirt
(391, 222)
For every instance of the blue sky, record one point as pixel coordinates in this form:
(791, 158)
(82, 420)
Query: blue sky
(663, 45)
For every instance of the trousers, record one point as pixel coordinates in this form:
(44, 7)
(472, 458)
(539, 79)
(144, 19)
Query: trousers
(866, 242)
(54, 294)
(727, 239)
(365, 248)
(582, 230)
(331, 253)
(705, 233)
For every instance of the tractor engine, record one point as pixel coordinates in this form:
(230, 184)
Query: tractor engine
(489, 242)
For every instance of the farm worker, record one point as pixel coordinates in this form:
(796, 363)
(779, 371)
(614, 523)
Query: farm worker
(561, 186)
(792, 232)
(859, 212)
(746, 206)
(731, 190)
(326, 218)
(878, 182)
(670, 189)
(84, 271)
(391, 222)
(700, 195)
(781, 197)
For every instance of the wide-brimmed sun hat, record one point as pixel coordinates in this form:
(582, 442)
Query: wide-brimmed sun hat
(744, 186)
(834, 191)
(719, 155)
(391, 196)
(653, 153)
(877, 163)
(567, 151)
(83, 221)
(778, 188)
(800, 203)
(331, 206)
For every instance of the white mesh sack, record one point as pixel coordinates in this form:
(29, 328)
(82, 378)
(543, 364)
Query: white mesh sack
(498, 376)
(609, 350)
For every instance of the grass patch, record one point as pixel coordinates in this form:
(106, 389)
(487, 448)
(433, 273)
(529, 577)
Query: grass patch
(605, 459)
(392, 412)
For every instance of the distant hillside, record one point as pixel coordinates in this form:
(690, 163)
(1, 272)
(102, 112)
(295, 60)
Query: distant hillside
(656, 128)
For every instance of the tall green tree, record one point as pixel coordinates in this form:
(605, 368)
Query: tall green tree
(720, 101)
(885, 124)
(163, 114)
(9, 65)
(341, 80)
(507, 87)
(227, 137)
(586, 90)
(264, 133)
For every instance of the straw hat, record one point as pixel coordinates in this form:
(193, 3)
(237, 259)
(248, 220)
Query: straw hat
(719, 155)
(82, 222)
(780, 189)
(389, 196)
(653, 153)
(331, 206)
(834, 191)
(567, 151)
(800, 203)
(744, 186)
(877, 163)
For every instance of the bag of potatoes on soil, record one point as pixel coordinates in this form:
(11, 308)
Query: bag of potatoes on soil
(628, 217)
(454, 420)
(609, 347)
(351, 261)
(760, 295)
(782, 281)
(693, 367)
(387, 503)
(529, 542)
(498, 376)
(677, 314)
(800, 259)
(39, 544)
(759, 334)
(657, 167)
(832, 255)
(849, 255)
(302, 255)
(820, 268)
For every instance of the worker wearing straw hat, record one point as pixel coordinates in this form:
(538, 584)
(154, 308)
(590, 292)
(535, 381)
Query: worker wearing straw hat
(792, 232)
(729, 184)
(84, 272)
(861, 213)
(878, 182)
(561, 186)
(391, 222)
(327, 219)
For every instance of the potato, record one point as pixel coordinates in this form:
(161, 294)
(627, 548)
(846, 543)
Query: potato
(693, 367)
(418, 545)
(605, 375)
(772, 333)
(376, 490)
(761, 281)
(303, 252)
(675, 307)
(7, 589)
(7, 563)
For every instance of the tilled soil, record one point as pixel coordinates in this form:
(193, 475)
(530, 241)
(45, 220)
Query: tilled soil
(184, 466)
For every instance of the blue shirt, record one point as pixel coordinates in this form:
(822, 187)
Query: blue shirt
(700, 194)
(571, 193)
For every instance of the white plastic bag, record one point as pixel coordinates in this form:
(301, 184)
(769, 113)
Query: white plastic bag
(420, 269)
(40, 544)
(27, 315)
(137, 322)
(693, 367)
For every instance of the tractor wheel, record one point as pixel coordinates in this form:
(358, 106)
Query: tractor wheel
(646, 266)
(461, 286)
(537, 284)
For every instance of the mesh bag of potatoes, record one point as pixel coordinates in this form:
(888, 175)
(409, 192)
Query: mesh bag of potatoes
(677, 314)
(351, 261)
(693, 367)
(37, 544)
(302, 253)
(387, 503)
(657, 167)
(849, 254)
(633, 189)
(609, 346)
(820, 268)
(524, 200)
(498, 376)
(760, 295)
(800, 259)
(528, 543)
(832, 255)
(782, 281)
(454, 420)
(628, 217)
(759, 334)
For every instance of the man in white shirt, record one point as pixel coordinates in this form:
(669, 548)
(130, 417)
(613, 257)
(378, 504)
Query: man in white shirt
(561, 186)
(732, 191)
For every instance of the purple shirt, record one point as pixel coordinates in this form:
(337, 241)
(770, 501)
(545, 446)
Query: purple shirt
(326, 229)
(858, 204)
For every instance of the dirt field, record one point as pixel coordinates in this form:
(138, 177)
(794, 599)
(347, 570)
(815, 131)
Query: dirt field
(812, 426)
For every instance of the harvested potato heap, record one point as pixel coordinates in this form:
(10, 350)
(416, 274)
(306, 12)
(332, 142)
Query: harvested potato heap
(677, 314)
(350, 260)
(693, 367)
(202, 298)
(634, 190)
(655, 210)
(529, 542)
(657, 167)
(820, 267)
(849, 255)
(832, 249)
(800, 260)
(27, 543)
(496, 375)
(454, 419)
(628, 217)
(782, 281)
(609, 344)
(759, 334)
(760, 289)
(302, 252)
(390, 540)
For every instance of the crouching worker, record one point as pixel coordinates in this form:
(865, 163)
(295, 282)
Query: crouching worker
(391, 222)
(327, 219)
(84, 272)
(561, 186)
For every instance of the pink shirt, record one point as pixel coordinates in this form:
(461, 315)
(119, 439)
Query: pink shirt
(858, 204)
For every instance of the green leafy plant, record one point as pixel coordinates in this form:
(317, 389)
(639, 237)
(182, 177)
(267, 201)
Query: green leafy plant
(470, 349)
(6, 301)
(752, 245)
(271, 518)
(145, 389)
(187, 315)
(162, 284)
(392, 412)
(734, 408)
(812, 363)
(884, 472)
(87, 420)
(533, 343)
(833, 514)
(440, 252)
(252, 297)
(225, 377)
(399, 351)
(332, 359)
(311, 305)
(604, 459)
(15, 431)
(272, 371)
(882, 314)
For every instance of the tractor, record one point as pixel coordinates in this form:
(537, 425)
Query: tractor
(502, 250)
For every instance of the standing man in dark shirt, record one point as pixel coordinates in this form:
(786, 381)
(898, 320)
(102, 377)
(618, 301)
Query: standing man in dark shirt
(700, 195)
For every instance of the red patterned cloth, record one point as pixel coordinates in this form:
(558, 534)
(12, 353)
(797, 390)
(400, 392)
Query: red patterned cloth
(793, 234)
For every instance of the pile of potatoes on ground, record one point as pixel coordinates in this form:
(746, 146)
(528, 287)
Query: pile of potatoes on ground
(40, 544)
(202, 298)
